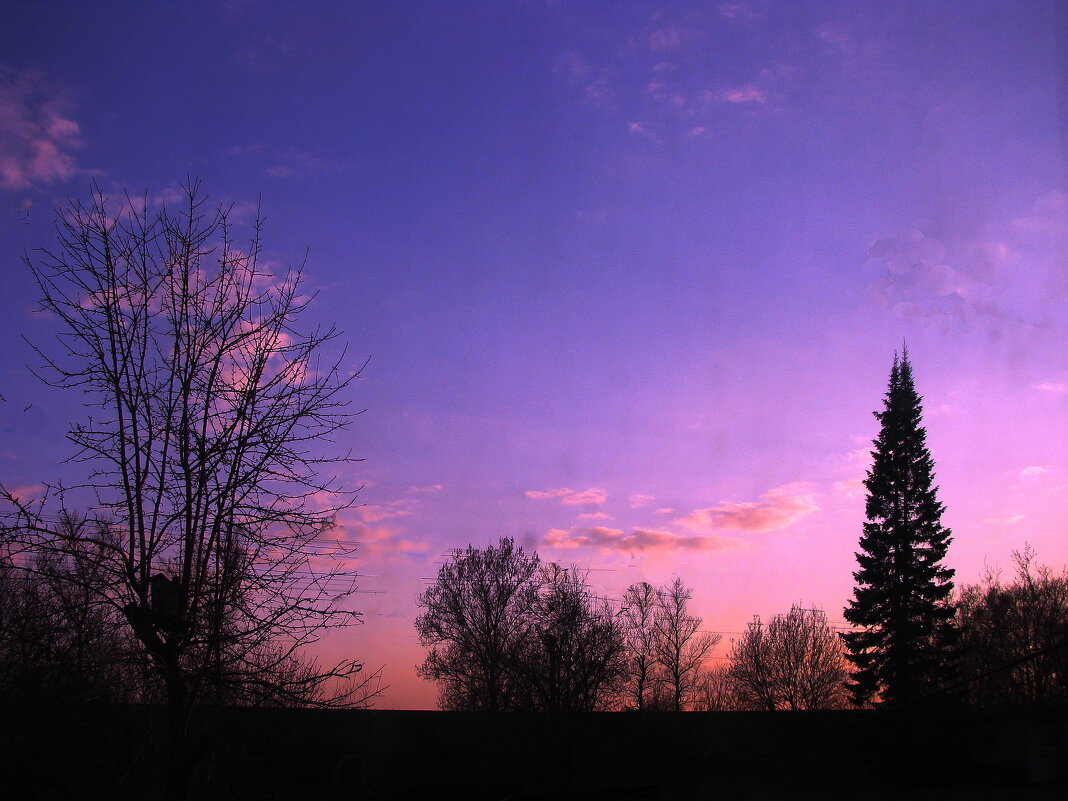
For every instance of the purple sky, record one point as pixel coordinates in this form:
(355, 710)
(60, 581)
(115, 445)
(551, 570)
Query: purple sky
(630, 276)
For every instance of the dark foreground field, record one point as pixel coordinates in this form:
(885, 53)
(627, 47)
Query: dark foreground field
(114, 753)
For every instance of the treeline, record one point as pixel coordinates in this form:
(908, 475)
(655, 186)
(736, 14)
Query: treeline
(1014, 637)
(66, 638)
(506, 631)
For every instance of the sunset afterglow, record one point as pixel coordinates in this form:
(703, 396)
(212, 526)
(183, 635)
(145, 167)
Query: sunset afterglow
(623, 280)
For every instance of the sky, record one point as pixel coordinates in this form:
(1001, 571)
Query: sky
(628, 277)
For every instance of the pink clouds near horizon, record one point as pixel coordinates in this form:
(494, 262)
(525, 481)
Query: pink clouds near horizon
(639, 540)
(775, 509)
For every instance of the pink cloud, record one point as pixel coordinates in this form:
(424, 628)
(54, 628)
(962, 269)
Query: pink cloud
(37, 136)
(541, 495)
(375, 541)
(643, 129)
(427, 488)
(28, 493)
(638, 500)
(373, 513)
(595, 516)
(775, 509)
(594, 495)
(639, 540)
(852, 488)
(568, 496)
(1033, 470)
(744, 94)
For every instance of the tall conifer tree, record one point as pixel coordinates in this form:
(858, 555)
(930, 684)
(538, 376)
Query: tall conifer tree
(901, 605)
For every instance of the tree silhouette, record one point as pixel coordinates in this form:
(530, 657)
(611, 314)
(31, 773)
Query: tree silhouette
(795, 662)
(475, 623)
(901, 604)
(573, 657)
(638, 615)
(205, 497)
(1014, 636)
(681, 647)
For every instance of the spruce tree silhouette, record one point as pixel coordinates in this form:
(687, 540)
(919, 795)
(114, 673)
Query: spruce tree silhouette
(902, 604)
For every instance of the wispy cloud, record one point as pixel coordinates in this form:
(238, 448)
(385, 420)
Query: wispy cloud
(775, 509)
(373, 513)
(427, 488)
(639, 540)
(912, 278)
(1051, 387)
(674, 37)
(595, 516)
(593, 495)
(1032, 471)
(28, 493)
(1005, 521)
(738, 12)
(744, 94)
(290, 162)
(38, 136)
(850, 488)
(643, 129)
(1048, 217)
(639, 500)
(380, 542)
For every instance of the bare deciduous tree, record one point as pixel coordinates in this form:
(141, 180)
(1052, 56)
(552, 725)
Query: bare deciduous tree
(796, 662)
(475, 624)
(1013, 636)
(681, 647)
(58, 641)
(208, 487)
(715, 690)
(573, 660)
(638, 614)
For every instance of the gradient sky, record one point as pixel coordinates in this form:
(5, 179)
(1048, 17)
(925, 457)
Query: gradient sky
(630, 276)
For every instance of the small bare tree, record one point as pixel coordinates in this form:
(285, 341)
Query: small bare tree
(638, 613)
(796, 662)
(715, 690)
(750, 668)
(208, 488)
(681, 647)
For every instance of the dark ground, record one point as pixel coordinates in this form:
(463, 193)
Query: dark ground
(115, 752)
